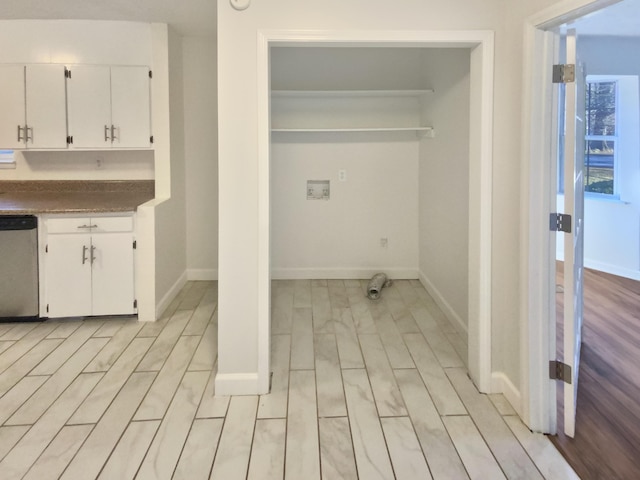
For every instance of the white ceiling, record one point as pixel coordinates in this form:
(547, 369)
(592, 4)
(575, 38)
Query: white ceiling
(187, 17)
(198, 17)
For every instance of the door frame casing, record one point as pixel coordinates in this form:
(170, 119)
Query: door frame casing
(481, 44)
(538, 189)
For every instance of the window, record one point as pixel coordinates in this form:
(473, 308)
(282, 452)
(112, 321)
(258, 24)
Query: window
(600, 161)
(6, 159)
(611, 126)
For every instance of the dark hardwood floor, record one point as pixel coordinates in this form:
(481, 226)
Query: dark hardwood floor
(607, 440)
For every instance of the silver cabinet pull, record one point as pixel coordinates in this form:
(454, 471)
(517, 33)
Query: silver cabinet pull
(84, 254)
(93, 257)
(106, 133)
(113, 133)
(29, 136)
(85, 226)
(20, 138)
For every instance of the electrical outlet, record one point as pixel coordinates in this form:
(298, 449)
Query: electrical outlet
(384, 242)
(99, 162)
(342, 175)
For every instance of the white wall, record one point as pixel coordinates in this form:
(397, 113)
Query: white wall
(75, 41)
(444, 183)
(51, 165)
(340, 238)
(507, 164)
(201, 156)
(238, 154)
(318, 68)
(170, 224)
(612, 227)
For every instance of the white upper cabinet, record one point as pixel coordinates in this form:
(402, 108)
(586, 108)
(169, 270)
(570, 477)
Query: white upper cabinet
(33, 107)
(130, 108)
(46, 106)
(12, 100)
(109, 107)
(89, 93)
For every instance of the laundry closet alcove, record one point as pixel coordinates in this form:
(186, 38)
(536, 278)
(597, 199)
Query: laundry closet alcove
(389, 129)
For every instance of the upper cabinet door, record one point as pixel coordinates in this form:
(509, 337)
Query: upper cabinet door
(89, 105)
(130, 109)
(12, 102)
(109, 107)
(46, 117)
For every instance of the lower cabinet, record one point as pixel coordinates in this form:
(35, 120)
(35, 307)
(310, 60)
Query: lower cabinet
(88, 265)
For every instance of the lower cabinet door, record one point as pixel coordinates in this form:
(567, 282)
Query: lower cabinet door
(112, 273)
(68, 275)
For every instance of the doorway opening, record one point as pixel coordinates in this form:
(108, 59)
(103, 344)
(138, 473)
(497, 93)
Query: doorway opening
(279, 259)
(607, 387)
(542, 36)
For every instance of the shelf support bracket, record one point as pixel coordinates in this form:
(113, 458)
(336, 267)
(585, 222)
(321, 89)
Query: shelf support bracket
(428, 133)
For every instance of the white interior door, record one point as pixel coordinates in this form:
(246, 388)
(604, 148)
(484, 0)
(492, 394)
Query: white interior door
(574, 150)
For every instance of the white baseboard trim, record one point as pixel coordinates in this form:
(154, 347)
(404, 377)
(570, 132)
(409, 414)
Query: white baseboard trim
(164, 302)
(340, 273)
(612, 269)
(237, 384)
(500, 383)
(453, 317)
(606, 268)
(206, 274)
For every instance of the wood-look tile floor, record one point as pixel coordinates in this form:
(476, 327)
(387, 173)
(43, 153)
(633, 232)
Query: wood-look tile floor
(360, 390)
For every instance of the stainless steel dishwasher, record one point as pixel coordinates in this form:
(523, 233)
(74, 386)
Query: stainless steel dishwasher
(18, 268)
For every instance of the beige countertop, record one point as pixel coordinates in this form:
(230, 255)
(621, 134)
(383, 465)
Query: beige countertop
(73, 196)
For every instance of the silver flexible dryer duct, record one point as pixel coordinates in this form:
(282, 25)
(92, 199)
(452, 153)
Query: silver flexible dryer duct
(376, 284)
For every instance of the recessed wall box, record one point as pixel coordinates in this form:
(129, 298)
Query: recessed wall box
(318, 189)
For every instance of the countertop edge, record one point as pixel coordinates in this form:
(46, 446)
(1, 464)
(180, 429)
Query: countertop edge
(52, 211)
(73, 197)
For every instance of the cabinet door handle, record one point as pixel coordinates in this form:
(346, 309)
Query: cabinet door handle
(106, 133)
(84, 254)
(93, 257)
(21, 129)
(28, 136)
(85, 226)
(113, 133)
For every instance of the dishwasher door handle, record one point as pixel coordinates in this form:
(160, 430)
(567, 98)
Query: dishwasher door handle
(84, 254)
